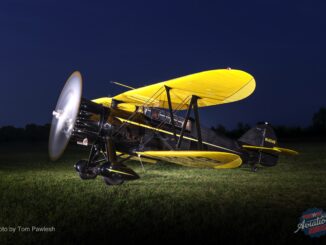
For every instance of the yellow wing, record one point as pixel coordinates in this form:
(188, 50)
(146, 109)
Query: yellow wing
(199, 159)
(212, 87)
(275, 150)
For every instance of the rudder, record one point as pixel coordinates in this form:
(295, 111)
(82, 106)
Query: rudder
(262, 135)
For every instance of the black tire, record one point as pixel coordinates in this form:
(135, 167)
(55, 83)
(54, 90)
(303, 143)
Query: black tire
(113, 180)
(84, 172)
(86, 176)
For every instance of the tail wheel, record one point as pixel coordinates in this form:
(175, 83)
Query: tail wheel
(113, 180)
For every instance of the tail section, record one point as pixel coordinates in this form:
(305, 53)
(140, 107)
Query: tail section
(260, 144)
(261, 135)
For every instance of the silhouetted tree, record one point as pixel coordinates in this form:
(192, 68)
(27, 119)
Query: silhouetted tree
(220, 129)
(35, 132)
(31, 132)
(319, 121)
(10, 133)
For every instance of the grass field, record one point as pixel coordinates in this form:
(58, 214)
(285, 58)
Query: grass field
(169, 202)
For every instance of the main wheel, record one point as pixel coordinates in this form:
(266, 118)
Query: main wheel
(85, 176)
(113, 180)
(85, 172)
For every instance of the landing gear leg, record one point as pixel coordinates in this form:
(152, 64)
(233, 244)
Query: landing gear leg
(114, 172)
(103, 161)
(89, 169)
(112, 178)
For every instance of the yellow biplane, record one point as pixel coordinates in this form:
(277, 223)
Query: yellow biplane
(145, 123)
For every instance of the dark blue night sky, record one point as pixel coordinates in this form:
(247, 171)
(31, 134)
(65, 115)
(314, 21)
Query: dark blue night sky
(281, 43)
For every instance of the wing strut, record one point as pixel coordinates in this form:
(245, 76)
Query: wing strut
(167, 89)
(184, 124)
(195, 108)
(193, 104)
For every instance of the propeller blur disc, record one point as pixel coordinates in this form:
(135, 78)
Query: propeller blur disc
(64, 115)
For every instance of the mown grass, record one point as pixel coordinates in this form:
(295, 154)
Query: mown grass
(169, 202)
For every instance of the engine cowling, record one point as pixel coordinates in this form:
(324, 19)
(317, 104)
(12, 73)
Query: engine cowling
(91, 123)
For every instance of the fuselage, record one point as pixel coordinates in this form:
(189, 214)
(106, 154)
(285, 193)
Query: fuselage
(144, 129)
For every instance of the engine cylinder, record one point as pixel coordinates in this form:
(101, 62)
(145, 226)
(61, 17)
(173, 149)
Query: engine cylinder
(91, 123)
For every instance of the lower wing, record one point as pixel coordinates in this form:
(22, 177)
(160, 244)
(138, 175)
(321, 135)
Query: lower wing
(199, 159)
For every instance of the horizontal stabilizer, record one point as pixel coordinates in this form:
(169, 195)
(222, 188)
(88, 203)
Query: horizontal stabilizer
(199, 159)
(273, 150)
(287, 151)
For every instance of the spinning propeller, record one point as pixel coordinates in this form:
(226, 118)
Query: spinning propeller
(86, 121)
(64, 115)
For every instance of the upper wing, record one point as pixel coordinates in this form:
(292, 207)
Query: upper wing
(206, 159)
(212, 87)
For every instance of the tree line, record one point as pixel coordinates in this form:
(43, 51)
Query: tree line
(31, 132)
(317, 131)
